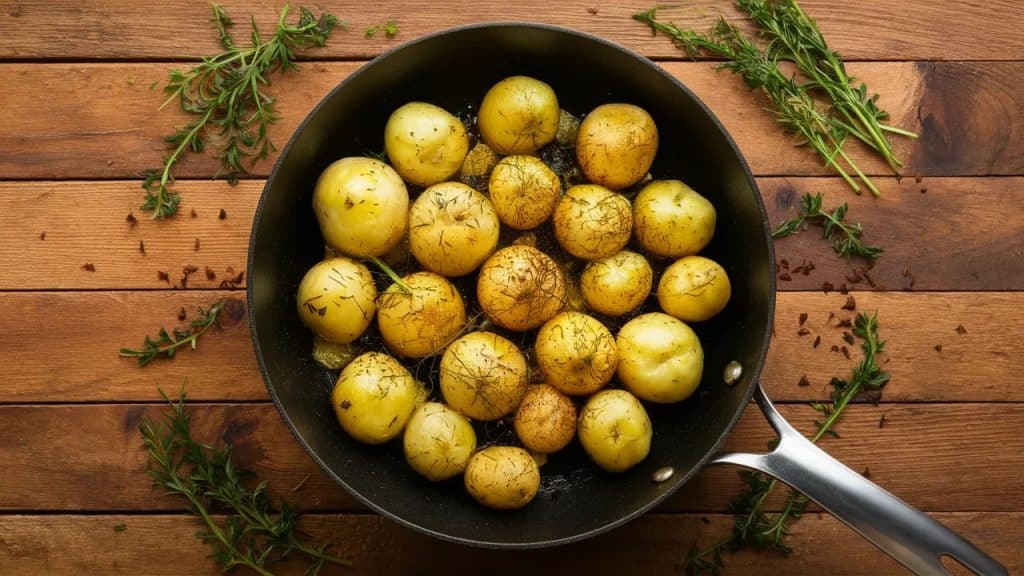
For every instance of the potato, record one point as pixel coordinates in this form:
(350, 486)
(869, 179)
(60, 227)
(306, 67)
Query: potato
(592, 222)
(483, 376)
(616, 145)
(518, 115)
(524, 191)
(615, 430)
(672, 220)
(374, 398)
(423, 322)
(452, 229)
(694, 289)
(438, 441)
(520, 288)
(362, 206)
(568, 129)
(576, 353)
(502, 477)
(618, 284)
(479, 163)
(545, 420)
(425, 143)
(336, 299)
(660, 358)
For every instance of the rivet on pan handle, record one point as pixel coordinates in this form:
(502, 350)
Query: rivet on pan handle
(911, 537)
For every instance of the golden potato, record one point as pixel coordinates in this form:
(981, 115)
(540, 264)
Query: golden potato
(452, 229)
(438, 441)
(362, 206)
(672, 220)
(483, 376)
(616, 145)
(618, 284)
(374, 398)
(592, 222)
(336, 299)
(524, 191)
(422, 322)
(518, 115)
(615, 430)
(425, 143)
(694, 289)
(660, 358)
(479, 163)
(545, 420)
(502, 477)
(520, 288)
(576, 353)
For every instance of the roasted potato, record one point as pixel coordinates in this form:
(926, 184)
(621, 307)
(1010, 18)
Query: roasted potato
(337, 299)
(502, 477)
(374, 398)
(616, 144)
(438, 441)
(425, 143)
(660, 358)
(672, 220)
(452, 229)
(694, 289)
(618, 284)
(518, 115)
(483, 376)
(615, 430)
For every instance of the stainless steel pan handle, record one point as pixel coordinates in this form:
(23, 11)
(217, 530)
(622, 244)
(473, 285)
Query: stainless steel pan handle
(913, 538)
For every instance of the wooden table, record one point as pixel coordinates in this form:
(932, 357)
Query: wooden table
(80, 125)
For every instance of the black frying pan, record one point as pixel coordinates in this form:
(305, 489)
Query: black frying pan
(454, 69)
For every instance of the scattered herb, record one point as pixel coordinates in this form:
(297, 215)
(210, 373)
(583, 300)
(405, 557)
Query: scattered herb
(848, 338)
(817, 341)
(938, 348)
(785, 277)
(186, 272)
(803, 332)
(960, 329)
(120, 527)
(131, 219)
(194, 213)
(390, 29)
(803, 318)
(182, 314)
(89, 267)
(882, 421)
(846, 238)
(163, 276)
(210, 274)
(222, 215)
(804, 382)
(850, 305)
(827, 287)
(196, 246)
(142, 247)
(42, 235)
(169, 343)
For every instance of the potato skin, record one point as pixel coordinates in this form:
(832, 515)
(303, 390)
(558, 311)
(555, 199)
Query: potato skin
(660, 358)
(615, 430)
(618, 284)
(337, 299)
(524, 191)
(694, 289)
(502, 477)
(592, 222)
(438, 441)
(422, 323)
(425, 143)
(518, 115)
(576, 352)
(483, 376)
(374, 398)
(545, 419)
(672, 220)
(520, 287)
(452, 229)
(362, 206)
(616, 145)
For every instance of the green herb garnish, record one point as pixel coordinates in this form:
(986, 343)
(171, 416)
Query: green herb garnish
(846, 238)
(167, 343)
(390, 29)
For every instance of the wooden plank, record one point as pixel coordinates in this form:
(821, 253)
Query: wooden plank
(981, 365)
(90, 457)
(66, 545)
(861, 29)
(960, 109)
(85, 222)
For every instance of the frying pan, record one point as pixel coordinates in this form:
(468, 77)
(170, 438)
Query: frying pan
(454, 69)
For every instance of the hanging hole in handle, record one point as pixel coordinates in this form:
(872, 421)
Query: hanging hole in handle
(954, 566)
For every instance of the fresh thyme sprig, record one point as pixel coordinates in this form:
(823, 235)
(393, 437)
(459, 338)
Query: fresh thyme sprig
(390, 29)
(755, 528)
(225, 93)
(846, 238)
(167, 343)
(251, 535)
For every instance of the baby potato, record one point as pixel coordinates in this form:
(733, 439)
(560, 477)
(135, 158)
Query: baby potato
(694, 289)
(618, 284)
(524, 191)
(425, 143)
(502, 477)
(615, 430)
(374, 398)
(336, 299)
(479, 163)
(616, 145)
(672, 220)
(452, 229)
(483, 376)
(576, 353)
(660, 358)
(592, 222)
(420, 323)
(438, 441)
(545, 420)
(362, 206)
(520, 287)
(518, 115)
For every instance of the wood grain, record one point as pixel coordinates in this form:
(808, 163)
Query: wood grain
(961, 111)
(938, 457)
(981, 365)
(912, 30)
